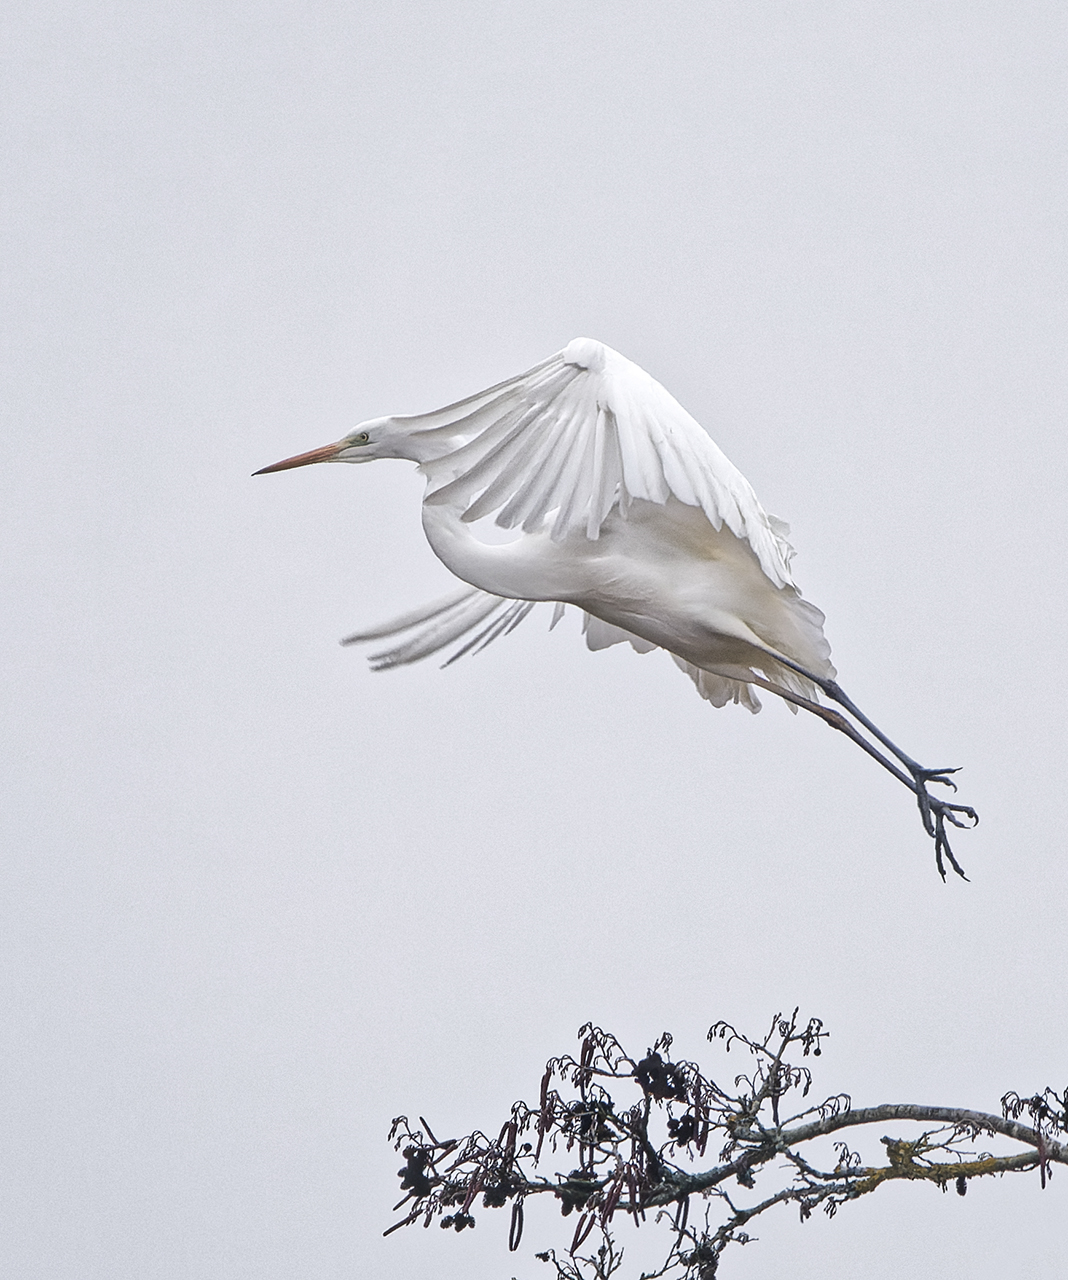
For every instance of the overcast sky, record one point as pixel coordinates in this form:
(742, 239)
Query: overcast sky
(257, 900)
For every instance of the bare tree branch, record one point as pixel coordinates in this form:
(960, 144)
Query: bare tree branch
(636, 1131)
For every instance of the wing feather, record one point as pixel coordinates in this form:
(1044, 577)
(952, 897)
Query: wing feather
(413, 618)
(643, 474)
(575, 438)
(446, 419)
(577, 492)
(480, 617)
(431, 629)
(563, 495)
(509, 466)
(509, 619)
(483, 618)
(607, 472)
(534, 495)
(502, 444)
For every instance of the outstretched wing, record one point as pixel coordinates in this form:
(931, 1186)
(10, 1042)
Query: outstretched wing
(476, 618)
(577, 437)
(427, 631)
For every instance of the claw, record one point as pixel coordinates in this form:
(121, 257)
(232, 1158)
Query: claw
(942, 780)
(940, 776)
(942, 850)
(949, 810)
(943, 812)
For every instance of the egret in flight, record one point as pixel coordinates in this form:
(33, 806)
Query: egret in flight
(622, 505)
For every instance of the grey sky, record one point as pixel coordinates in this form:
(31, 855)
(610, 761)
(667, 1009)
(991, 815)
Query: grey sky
(257, 901)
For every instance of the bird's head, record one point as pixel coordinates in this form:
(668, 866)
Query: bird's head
(378, 438)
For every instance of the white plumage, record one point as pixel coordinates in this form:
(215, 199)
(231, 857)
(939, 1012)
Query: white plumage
(622, 505)
(577, 437)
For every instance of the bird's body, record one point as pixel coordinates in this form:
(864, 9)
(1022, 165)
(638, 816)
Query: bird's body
(662, 574)
(618, 502)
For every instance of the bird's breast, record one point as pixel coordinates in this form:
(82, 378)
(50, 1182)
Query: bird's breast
(661, 560)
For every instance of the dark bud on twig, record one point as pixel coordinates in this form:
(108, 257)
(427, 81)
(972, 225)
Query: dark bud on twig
(413, 1176)
(659, 1079)
(458, 1221)
(497, 1195)
(575, 1191)
(704, 1261)
(682, 1131)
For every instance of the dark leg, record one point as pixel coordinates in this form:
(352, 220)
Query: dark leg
(934, 812)
(836, 693)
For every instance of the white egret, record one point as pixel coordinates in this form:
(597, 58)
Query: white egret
(624, 507)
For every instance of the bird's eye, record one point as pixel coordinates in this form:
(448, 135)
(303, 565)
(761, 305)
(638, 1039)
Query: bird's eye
(362, 438)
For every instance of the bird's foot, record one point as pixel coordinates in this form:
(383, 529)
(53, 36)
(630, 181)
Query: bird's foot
(936, 813)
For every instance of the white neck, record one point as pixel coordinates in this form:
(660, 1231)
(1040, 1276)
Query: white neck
(528, 568)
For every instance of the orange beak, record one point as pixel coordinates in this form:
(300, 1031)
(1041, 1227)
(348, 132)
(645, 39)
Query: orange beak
(326, 453)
